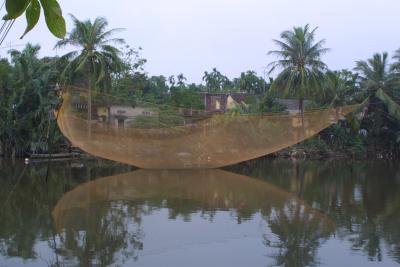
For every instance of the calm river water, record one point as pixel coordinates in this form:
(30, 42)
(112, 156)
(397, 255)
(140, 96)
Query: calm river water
(262, 213)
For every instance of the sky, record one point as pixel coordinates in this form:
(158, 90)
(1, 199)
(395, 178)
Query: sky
(191, 36)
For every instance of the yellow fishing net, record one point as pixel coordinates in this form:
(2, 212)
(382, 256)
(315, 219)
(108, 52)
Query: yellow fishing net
(160, 137)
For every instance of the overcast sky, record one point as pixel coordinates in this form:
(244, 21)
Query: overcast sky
(191, 36)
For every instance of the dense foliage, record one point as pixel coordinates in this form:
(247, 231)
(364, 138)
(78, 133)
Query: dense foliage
(28, 98)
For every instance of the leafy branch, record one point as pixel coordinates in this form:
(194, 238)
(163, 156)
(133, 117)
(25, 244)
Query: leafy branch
(32, 9)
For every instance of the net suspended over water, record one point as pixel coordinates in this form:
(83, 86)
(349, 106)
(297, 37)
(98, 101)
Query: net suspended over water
(163, 137)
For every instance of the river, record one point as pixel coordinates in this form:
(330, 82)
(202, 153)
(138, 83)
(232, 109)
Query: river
(260, 213)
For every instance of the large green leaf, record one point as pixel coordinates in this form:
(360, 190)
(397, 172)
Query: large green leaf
(393, 107)
(53, 14)
(15, 8)
(54, 19)
(32, 16)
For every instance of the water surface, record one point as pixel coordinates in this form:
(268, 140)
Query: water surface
(262, 213)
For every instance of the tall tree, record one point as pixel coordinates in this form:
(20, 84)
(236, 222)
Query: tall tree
(181, 81)
(300, 60)
(249, 82)
(341, 86)
(216, 81)
(96, 55)
(375, 73)
(377, 79)
(27, 98)
(396, 66)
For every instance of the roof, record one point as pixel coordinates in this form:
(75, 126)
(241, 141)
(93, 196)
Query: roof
(291, 104)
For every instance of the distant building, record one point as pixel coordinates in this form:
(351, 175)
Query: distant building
(117, 115)
(222, 102)
(122, 116)
(292, 105)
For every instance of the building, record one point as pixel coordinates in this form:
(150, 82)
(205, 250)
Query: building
(292, 105)
(117, 115)
(222, 102)
(122, 115)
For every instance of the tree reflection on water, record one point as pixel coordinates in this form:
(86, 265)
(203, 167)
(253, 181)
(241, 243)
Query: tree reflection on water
(300, 233)
(100, 222)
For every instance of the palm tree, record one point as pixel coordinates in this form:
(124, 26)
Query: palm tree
(97, 57)
(374, 72)
(396, 66)
(342, 87)
(27, 95)
(181, 80)
(300, 60)
(379, 81)
(249, 82)
(216, 81)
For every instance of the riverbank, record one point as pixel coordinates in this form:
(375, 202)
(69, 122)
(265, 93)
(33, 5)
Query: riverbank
(297, 152)
(305, 152)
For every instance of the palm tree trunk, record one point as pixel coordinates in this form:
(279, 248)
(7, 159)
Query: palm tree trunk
(90, 103)
(301, 108)
(89, 106)
(301, 101)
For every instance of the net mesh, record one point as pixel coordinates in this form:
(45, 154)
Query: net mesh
(162, 137)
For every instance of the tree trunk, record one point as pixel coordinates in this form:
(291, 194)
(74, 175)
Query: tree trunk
(89, 106)
(301, 101)
(301, 108)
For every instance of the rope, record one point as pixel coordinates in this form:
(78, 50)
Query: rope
(2, 26)
(8, 28)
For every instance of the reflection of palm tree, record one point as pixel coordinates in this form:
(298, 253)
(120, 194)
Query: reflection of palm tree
(98, 233)
(390, 230)
(101, 212)
(24, 217)
(185, 193)
(300, 233)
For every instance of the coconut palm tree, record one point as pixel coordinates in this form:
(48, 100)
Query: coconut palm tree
(380, 82)
(383, 115)
(300, 61)
(396, 66)
(375, 72)
(96, 55)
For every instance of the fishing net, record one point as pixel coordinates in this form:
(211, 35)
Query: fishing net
(154, 136)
